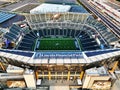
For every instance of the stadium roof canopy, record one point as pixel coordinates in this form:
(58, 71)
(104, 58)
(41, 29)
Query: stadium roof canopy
(38, 58)
(50, 8)
(4, 16)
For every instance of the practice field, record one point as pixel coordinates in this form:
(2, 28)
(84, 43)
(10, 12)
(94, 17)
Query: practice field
(57, 44)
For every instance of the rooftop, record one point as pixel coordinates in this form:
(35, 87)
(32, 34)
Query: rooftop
(43, 8)
(97, 71)
(6, 16)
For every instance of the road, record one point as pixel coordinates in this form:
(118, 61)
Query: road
(6, 76)
(105, 20)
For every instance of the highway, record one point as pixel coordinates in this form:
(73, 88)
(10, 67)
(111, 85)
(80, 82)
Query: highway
(10, 76)
(105, 20)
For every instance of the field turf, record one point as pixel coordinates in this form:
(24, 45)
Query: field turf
(57, 44)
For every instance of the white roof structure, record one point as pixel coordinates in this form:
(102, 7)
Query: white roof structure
(97, 71)
(50, 8)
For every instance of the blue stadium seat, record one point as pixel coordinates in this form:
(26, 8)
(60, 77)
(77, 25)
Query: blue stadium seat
(32, 34)
(49, 33)
(35, 32)
(85, 44)
(68, 32)
(77, 33)
(41, 33)
(14, 31)
(57, 31)
(9, 37)
(44, 31)
(26, 48)
(95, 47)
(28, 40)
(72, 33)
(25, 44)
(28, 54)
(87, 40)
(52, 31)
(65, 32)
(85, 37)
(28, 37)
(12, 35)
(89, 54)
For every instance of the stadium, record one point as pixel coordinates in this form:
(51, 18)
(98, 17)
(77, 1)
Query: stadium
(59, 46)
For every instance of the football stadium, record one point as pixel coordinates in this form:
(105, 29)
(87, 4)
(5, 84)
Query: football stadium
(53, 46)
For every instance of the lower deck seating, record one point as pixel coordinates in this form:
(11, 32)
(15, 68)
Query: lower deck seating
(29, 39)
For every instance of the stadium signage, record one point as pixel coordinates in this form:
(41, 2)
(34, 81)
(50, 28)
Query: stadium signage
(59, 55)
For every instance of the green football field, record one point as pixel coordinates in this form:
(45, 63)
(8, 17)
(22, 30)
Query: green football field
(57, 44)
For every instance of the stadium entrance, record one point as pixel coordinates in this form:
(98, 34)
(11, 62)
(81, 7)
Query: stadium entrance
(60, 72)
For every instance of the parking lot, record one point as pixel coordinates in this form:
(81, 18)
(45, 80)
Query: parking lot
(12, 6)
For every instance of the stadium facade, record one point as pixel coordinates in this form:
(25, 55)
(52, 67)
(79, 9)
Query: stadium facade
(92, 40)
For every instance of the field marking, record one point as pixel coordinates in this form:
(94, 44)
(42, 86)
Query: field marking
(78, 43)
(35, 44)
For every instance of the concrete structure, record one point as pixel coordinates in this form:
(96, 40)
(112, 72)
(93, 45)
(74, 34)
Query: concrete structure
(96, 75)
(30, 79)
(116, 85)
(14, 69)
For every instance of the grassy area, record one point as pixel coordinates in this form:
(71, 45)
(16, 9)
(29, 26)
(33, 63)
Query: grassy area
(57, 44)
